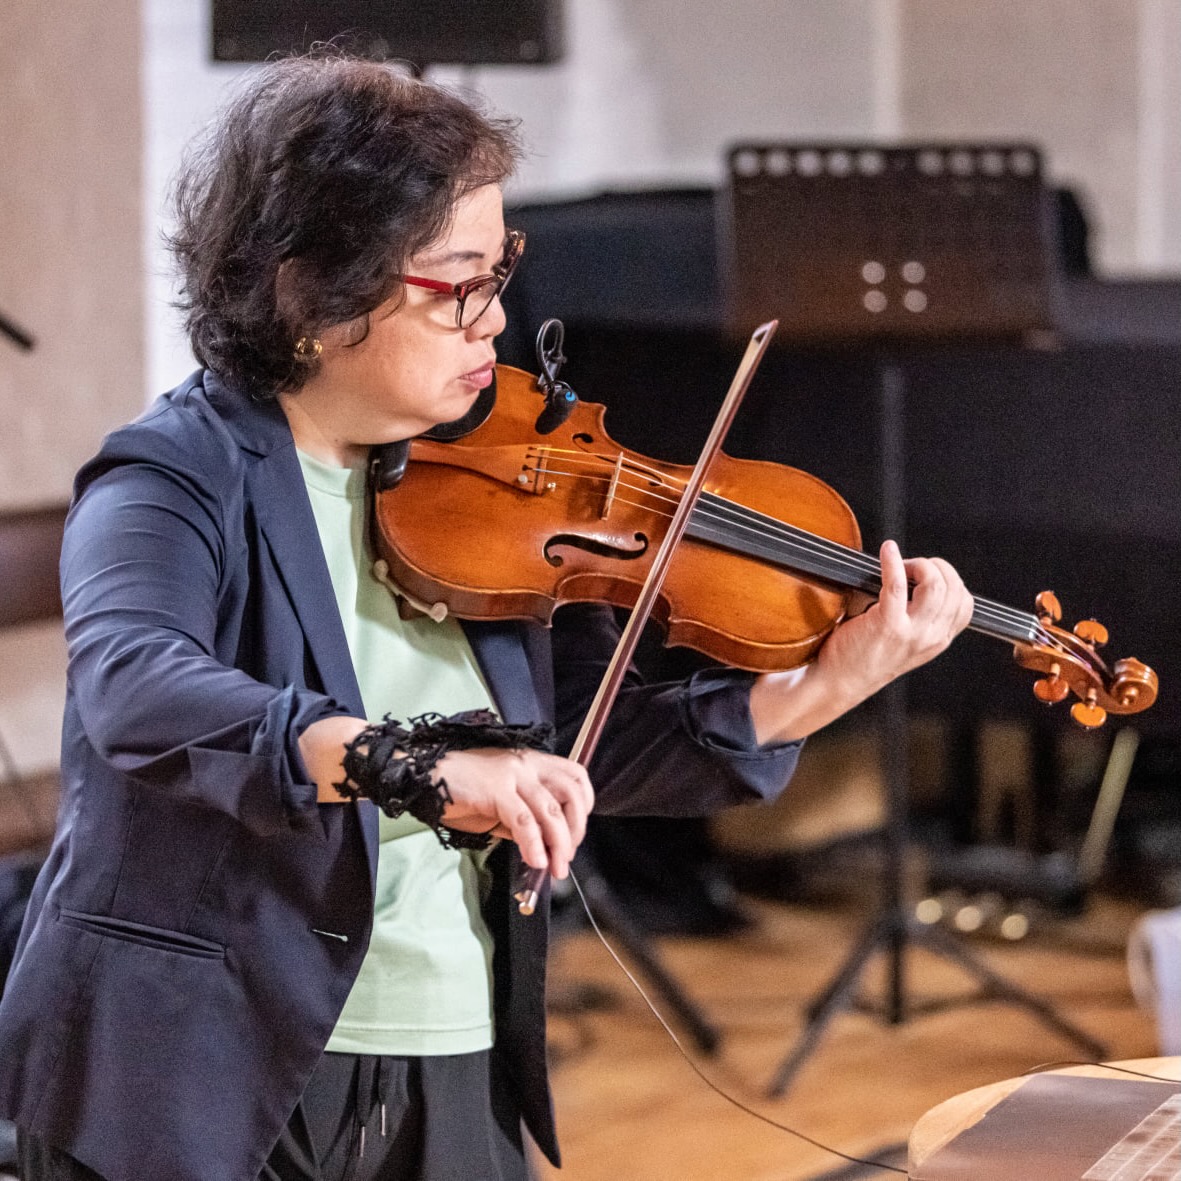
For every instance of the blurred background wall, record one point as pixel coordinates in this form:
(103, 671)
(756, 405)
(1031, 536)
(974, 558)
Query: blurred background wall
(98, 102)
(72, 275)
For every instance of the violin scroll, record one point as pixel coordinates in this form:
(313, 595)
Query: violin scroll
(1070, 663)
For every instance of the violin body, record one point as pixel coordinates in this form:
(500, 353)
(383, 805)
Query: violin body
(535, 521)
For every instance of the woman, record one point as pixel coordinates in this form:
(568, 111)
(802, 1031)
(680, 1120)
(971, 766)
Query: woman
(231, 968)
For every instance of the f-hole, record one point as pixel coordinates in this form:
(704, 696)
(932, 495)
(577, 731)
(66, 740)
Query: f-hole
(590, 546)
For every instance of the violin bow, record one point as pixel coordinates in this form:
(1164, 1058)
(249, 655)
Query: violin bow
(530, 881)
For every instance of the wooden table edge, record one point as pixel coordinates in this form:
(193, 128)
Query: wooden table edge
(943, 1123)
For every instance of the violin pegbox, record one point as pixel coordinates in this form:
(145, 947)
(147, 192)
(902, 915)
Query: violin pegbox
(1070, 663)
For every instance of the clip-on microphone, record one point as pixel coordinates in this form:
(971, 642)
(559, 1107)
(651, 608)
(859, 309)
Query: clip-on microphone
(559, 397)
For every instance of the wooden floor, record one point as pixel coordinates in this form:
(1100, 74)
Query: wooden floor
(629, 1107)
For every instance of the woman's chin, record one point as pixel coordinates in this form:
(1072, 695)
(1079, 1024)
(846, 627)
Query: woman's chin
(456, 407)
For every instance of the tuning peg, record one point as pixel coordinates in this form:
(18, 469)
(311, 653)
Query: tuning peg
(1092, 631)
(1050, 690)
(1135, 685)
(1088, 715)
(1048, 606)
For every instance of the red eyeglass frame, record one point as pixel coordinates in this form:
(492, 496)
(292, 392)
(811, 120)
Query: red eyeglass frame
(500, 274)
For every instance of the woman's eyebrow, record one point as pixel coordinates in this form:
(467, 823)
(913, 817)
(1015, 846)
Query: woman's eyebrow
(453, 256)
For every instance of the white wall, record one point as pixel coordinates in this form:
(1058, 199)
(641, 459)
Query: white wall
(1095, 82)
(70, 273)
(181, 92)
(649, 94)
(70, 265)
(652, 92)
(1158, 213)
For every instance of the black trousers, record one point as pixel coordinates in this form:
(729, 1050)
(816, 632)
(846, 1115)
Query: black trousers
(365, 1118)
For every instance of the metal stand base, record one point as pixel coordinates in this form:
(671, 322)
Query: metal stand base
(891, 932)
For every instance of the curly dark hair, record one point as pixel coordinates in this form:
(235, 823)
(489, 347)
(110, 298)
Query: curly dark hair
(304, 202)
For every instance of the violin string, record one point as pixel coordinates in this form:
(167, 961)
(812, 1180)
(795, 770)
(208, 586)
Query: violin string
(668, 1029)
(985, 609)
(1013, 622)
(760, 525)
(841, 560)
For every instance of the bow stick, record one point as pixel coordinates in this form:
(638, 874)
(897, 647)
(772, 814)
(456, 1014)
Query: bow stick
(530, 882)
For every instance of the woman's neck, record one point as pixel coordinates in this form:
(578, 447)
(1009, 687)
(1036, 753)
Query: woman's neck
(315, 432)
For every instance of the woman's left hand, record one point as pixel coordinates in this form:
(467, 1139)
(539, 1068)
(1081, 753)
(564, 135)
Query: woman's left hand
(904, 628)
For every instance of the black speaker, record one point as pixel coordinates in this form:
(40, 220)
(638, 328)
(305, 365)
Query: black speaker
(422, 32)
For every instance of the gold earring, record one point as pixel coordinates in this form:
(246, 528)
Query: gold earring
(308, 348)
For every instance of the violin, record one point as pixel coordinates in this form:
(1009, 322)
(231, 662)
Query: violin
(770, 563)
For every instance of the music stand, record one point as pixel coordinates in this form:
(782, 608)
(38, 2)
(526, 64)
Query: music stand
(886, 248)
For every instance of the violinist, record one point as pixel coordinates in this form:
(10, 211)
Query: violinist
(234, 966)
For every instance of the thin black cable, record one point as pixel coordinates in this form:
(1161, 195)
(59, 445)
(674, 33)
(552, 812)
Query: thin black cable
(1045, 1066)
(856, 1160)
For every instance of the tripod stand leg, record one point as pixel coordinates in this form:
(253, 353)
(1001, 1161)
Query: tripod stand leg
(610, 915)
(894, 928)
(833, 998)
(997, 986)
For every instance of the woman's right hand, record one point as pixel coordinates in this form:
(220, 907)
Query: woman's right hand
(539, 800)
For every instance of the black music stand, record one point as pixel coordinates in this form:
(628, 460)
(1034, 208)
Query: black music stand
(886, 248)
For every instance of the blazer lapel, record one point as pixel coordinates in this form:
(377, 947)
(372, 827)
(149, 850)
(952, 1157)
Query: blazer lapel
(286, 520)
(277, 493)
(500, 653)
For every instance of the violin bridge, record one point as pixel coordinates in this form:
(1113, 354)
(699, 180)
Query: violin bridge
(540, 475)
(609, 499)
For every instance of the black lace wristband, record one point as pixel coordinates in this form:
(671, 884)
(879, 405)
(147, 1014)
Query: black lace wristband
(391, 764)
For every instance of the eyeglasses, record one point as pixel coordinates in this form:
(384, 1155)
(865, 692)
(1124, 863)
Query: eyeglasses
(473, 297)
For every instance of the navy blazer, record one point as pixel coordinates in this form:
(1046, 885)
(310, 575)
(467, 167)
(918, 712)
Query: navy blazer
(200, 918)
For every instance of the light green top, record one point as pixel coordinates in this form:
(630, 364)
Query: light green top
(425, 986)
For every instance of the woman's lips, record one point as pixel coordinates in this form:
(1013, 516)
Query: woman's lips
(480, 378)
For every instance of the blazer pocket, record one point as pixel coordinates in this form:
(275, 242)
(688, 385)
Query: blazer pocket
(159, 938)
